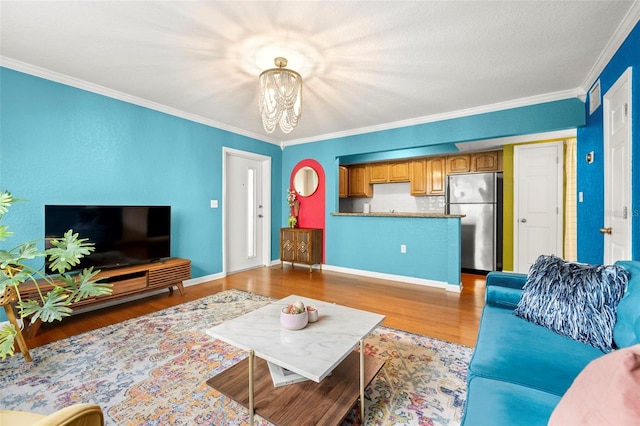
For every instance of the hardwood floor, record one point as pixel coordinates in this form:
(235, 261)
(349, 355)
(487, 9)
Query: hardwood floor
(424, 310)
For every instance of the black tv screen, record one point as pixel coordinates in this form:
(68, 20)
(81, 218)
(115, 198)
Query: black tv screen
(122, 235)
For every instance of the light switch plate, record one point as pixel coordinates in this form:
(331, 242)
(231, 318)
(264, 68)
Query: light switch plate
(214, 204)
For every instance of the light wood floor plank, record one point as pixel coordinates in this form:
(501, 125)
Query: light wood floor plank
(424, 310)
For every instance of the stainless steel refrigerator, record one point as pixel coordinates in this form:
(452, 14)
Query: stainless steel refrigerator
(478, 196)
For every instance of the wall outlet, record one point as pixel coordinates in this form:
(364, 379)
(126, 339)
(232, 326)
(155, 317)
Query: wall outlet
(403, 248)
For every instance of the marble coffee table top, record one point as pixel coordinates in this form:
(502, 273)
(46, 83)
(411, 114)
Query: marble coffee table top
(312, 352)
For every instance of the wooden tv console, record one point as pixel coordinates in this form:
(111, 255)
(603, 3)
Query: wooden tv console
(127, 281)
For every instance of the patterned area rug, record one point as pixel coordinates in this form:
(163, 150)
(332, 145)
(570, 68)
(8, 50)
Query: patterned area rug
(152, 370)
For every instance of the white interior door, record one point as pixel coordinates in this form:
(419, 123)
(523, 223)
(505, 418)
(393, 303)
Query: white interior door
(537, 203)
(617, 170)
(245, 214)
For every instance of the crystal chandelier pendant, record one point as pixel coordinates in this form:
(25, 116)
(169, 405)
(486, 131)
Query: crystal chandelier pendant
(280, 99)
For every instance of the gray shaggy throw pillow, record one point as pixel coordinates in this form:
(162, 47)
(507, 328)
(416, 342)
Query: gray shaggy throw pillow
(575, 300)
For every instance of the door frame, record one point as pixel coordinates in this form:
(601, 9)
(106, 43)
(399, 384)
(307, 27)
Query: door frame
(266, 202)
(516, 193)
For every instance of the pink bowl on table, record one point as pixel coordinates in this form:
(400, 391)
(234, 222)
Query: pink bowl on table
(294, 321)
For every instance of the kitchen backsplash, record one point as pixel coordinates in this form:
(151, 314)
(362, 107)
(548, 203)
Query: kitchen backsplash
(395, 197)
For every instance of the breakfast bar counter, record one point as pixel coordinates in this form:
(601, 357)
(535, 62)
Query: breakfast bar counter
(418, 248)
(401, 214)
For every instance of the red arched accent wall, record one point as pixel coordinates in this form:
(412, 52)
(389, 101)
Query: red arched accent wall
(312, 208)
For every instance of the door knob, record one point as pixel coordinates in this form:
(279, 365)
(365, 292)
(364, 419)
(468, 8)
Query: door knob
(606, 230)
(523, 220)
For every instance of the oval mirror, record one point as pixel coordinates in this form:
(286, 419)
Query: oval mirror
(305, 182)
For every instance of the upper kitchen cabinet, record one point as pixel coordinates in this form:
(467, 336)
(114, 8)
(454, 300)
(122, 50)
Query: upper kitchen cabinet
(486, 161)
(459, 163)
(343, 182)
(490, 161)
(399, 171)
(378, 172)
(418, 171)
(359, 181)
(389, 172)
(436, 175)
(428, 176)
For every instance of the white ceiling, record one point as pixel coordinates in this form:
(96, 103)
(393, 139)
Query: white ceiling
(367, 65)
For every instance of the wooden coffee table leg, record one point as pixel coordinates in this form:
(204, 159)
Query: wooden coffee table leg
(362, 381)
(251, 408)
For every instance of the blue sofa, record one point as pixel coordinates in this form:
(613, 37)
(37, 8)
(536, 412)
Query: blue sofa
(519, 371)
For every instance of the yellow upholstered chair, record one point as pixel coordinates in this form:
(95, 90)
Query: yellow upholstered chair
(74, 415)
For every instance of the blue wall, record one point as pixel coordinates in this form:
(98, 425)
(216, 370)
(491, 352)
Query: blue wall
(133, 155)
(591, 176)
(373, 246)
(62, 145)
(372, 243)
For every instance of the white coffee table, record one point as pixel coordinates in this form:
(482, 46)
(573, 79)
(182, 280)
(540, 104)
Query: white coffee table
(313, 352)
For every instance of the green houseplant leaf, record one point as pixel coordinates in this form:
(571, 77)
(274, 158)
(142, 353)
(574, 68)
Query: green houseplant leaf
(61, 291)
(55, 306)
(7, 336)
(83, 285)
(68, 251)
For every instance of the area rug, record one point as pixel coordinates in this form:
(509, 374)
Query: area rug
(152, 370)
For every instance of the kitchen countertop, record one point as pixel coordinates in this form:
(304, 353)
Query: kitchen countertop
(401, 214)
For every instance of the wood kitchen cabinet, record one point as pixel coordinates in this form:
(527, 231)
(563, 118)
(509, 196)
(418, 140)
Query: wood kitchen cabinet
(458, 163)
(418, 181)
(486, 161)
(436, 175)
(428, 176)
(397, 171)
(378, 172)
(359, 181)
(343, 182)
(490, 161)
(301, 245)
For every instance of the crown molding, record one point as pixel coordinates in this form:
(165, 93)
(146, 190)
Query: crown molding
(619, 36)
(101, 90)
(497, 143)
(516, 103)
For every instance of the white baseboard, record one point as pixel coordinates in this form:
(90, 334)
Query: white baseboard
(402, 278)
(204, 279)
(391, 277)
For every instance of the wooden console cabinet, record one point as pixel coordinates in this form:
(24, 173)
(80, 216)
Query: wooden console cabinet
(301, 245)
(126, 281)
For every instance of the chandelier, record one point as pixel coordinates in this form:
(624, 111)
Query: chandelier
(280, 98)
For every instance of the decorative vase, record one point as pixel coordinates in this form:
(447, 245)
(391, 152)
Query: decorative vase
(293, 222)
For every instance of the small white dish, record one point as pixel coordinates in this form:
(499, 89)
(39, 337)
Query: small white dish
(294, 321)
(313, 314)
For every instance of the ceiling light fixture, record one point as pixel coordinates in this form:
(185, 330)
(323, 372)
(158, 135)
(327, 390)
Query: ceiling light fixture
(280, 98)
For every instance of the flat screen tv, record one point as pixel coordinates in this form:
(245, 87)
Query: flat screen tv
(122, 235)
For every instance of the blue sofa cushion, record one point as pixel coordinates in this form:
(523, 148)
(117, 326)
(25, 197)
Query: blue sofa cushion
(517, 351)
(504, 289)
(627, 329)
(492, 402)
(576, 300)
